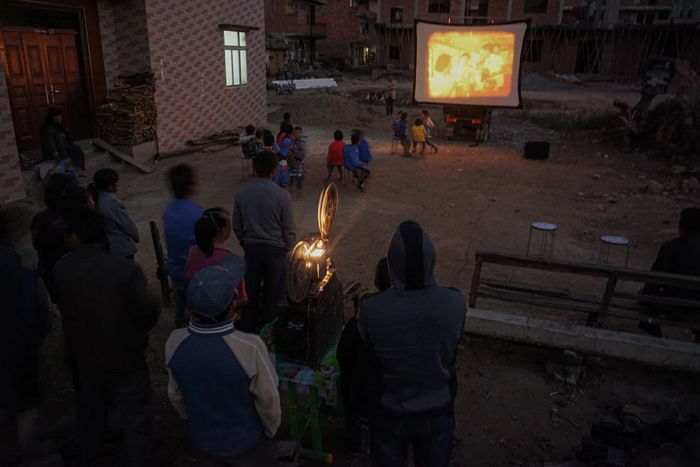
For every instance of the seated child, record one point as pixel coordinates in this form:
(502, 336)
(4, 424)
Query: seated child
(363, 147)
(418, 136)
(335, 155)
(352, 162)
(284, 141)
(295, 158)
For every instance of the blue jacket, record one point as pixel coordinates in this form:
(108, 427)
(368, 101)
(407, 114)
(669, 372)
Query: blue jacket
(400, 129)
(179, 218)
(365, 153)
(223, 382)
(351, 157)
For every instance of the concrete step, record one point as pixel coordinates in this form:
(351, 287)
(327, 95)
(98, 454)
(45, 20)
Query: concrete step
(649, 350)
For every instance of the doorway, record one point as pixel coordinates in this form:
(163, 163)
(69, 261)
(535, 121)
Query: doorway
(43, 71)
(45, 63)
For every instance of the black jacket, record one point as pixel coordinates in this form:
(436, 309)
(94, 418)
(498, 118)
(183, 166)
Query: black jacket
(106, 309)
(24, 307)
(413, 329)
(678, 256)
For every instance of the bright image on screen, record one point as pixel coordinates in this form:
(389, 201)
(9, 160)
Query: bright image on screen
(460, 64)
(470, 64)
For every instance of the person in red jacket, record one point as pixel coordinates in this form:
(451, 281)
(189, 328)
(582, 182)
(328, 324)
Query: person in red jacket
(335, 155)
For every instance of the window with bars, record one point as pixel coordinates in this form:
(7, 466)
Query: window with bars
(439, 6)
(394, 53)
(235, 58)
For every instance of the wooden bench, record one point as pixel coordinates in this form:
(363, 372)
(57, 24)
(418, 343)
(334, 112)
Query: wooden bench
(678, 312)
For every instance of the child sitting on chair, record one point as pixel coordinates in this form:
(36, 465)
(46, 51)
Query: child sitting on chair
(352, 162)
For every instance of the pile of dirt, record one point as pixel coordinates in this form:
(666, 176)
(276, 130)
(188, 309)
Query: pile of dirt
(330, 108)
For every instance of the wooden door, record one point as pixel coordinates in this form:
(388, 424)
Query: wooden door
(43, 71)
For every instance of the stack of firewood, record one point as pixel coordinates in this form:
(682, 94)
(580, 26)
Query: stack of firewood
(129, 116)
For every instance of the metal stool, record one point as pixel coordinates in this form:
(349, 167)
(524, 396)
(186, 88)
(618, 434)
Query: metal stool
(547, 232)
(609, 241)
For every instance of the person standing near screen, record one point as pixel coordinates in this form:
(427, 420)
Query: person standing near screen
(390, 95)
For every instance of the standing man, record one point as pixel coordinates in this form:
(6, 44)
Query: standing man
(25, 323)
(221, 379)
(411, 331)
(106, 312)
(390, 95)
(179, 218)
(263, 222)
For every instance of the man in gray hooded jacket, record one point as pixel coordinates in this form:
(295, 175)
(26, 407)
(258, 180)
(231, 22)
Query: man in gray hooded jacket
(411, 331)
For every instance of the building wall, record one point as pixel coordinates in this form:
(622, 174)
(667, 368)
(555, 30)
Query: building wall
(187, 56)
(125, 41)
(344, 28)
(498, 10)
(11, 182)
(279, 19)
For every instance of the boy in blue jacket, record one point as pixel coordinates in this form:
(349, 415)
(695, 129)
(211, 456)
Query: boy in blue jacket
(352, 162)
(221, 379)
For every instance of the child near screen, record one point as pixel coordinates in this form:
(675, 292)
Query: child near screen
(418, 136)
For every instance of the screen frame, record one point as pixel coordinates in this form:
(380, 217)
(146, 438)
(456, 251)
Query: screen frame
(526, 22)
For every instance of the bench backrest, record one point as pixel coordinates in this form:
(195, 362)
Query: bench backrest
(597, 308)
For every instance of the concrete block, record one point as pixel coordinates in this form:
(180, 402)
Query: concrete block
(649, 350)
(144, 152)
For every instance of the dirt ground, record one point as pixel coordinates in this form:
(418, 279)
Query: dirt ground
(468, 198)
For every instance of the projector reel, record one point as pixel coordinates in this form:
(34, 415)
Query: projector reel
(299, 276)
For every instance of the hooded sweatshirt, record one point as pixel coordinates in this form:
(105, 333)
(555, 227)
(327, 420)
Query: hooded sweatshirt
(413, 329)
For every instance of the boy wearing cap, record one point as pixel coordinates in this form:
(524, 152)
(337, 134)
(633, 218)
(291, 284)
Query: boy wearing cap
(221, 379)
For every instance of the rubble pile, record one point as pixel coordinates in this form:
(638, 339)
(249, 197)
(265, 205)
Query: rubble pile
(636, 436)
(129, 116)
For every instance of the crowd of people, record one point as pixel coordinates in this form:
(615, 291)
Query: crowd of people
(398, 375)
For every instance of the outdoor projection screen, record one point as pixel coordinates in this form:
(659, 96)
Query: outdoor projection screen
(470, 65)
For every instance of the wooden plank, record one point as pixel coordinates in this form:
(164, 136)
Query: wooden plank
(123, 156)
(576, 298)
(593, 270)
(546, 302)
(594, 318)
(660, 299)
(524, 287)
(476, 276)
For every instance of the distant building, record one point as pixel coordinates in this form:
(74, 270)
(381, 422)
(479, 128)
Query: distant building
(351, 37)
(294, 22)
(208, 58)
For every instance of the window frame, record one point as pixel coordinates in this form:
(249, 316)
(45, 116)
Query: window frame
(437, 7)
(235, 58)
(391, 14)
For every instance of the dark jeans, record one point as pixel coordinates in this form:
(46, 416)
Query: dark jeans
(130, 394)
(389, 106)
(430, 435)
(262, 454)
(266, 266)
(19, 391)
(179, 295)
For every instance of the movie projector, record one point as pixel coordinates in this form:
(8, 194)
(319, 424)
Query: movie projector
(312, 320)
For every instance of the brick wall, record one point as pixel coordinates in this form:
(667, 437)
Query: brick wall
(125, 41)
(191, 98)
(11, 183)
(344, 28)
